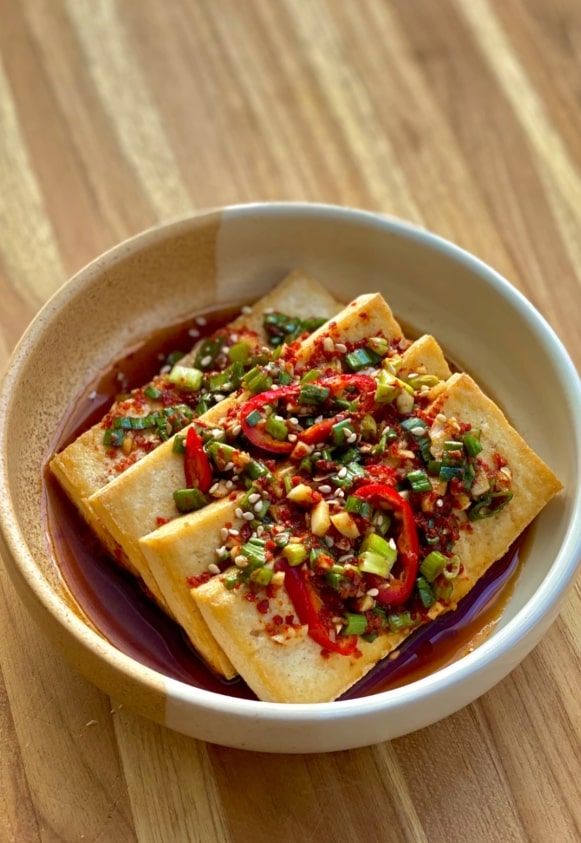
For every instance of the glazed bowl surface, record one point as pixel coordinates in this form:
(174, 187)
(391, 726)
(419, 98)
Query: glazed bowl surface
(215, 258)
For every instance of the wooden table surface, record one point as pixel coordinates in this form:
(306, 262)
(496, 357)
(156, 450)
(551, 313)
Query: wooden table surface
(462, 115)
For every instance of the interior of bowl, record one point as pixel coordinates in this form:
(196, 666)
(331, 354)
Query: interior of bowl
(166, 274)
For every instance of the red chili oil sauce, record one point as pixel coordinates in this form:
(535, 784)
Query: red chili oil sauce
(121, 611)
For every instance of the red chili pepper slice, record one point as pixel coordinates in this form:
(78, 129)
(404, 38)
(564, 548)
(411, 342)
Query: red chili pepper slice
(307, 605)
(397, 592)
(197, 467)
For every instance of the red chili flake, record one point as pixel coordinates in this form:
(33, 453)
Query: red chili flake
(289, 619)
(263, 606)
(499, 460)
(194, 582)
(250, 596)
(161, 521)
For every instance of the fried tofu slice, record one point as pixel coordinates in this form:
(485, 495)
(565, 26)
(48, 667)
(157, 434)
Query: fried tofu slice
(186, 546)
(86, 466)
(131, 505)
(368, 315)
(292, 669)
(190, 542)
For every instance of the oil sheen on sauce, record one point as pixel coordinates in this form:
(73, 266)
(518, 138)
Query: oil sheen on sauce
(120, 610)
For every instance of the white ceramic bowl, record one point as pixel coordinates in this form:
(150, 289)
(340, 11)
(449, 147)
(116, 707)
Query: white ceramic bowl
(483, 323)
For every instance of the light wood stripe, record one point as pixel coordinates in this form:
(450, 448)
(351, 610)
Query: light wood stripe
(128, 104)
(27, 245)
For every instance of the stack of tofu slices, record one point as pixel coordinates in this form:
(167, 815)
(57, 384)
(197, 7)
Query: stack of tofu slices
(125, 500)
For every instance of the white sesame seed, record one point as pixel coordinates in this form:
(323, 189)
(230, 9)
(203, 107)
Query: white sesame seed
(329, 541)
(164, 370)
(325, 489)
(236, 429)
(345, 557)
(439, 503)
(214, 488)
(224, 533)
(193, 332)
(340, 347)
(342, 472)
(205, 361)
(339, 493)
(292, 437)
(417, 431)
(293, 420)
(254, 497)
(378, 519)
(241, 561)
(328, 344)
(373, 592)
(238, 514)
(441, 417)
(233, 532)
(319, 419)
(120, 376)
(413, 375)
(218, 397)
(213, 569)
(246, 310)
(216, 432)
(259, 530)
(248, 516)
(92, 395)
(352, 438)
(201, 320)
(229, 466)
(229, 484)
(227, 386)
(258, 506)
(392, 544)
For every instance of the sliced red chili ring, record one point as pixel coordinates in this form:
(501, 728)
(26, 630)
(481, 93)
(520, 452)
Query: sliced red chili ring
(399, 590)
(197, 468)
(307, 605)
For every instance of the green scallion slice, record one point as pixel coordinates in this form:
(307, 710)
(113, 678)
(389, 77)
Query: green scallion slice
(398, 621)
(310, 376)
(294, 553)
(417, 427)
(113, 438)
(361, 358)
(447, 472)
(239, 352)
(373, 563)
(262, 576)
(189, 500)
(254, 551)
(377, 544)
(276, 427)
(354, 624)
(185, 377)
(152, 392)
(425, 592)
(359, 506)
(178, 445)
(253, 418)
(472, 444)
(341, 431)
(313, 394)
(433, 565)
(419, 481)
(378, 345)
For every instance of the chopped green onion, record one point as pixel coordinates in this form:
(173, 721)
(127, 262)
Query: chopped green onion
(447, 472)
(472, 444)
(425, 592)
(354, 470)
(295, 553)
(452, 568)
(378, 345)
(313, 394)
(288, 483)
(255, 469)
(152, 392)
(341, 431)
(282, 539)
(209, 350)
(350, 455)
(469, 475)
(453, 445)
(188, 500)
(418, 381)
(489, 505)
(419, 481)
(354, 624)
(361, 358)
(262, 576)
(434, 467)
(220, 382)
(276, 427)
(310, 376)
(186, 378)
(387, 388)
(399, 621)
(415, 426)
(334, 579)
(284, 378)
(443, 590)
(178, 445)
(373, 563)
(202, 407)
(231, 581)
(433, 565)
(253, 418)
(113, 438)
(239, 352)
(221, 454)
(254, 551)
(256, 381)
(174, 357)
(358, 506)
(377, 544)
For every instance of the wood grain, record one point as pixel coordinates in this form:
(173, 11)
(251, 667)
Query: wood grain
(461, 115)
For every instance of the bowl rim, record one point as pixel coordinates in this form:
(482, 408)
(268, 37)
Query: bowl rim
(544, 602)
